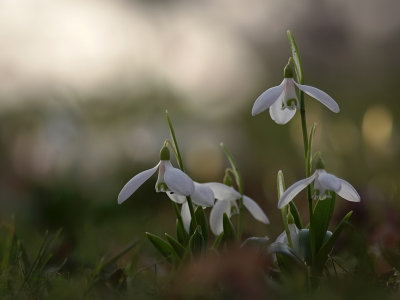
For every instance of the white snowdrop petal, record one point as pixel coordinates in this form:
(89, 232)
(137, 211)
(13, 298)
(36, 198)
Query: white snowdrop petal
(135, 183)
(321, 96)
(293, 190)
(177, 181)
(329, 181)
(294, 235)
(186, 218)
(255, 210)
(282, 238)
(203, 195)
(267, 98)
(279, 115)
(348, 192)
(216, 216)
(222, 191)
(176, 198)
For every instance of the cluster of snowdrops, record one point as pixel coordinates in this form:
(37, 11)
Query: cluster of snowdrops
(307, 245)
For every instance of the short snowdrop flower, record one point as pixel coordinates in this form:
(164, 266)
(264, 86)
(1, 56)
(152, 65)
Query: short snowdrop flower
(294, 236)
(323, 184)
(282, 100)
(226, 203)
(170, 179)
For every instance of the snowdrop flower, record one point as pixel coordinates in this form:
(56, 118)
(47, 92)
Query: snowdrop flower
(294, 236)
(170, 179)
(226, 203)
(323, 183)
(202, 196)
(282, 100)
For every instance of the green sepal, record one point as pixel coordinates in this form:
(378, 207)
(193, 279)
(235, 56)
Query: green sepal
(219, 241)
(298, 65)
(196, 242)
(296, 215)
(229, 229)
(255, 242)
(164, 248)
(181, 233)
(201, 219)
(322, 216)
(322, 256)
(179, 249)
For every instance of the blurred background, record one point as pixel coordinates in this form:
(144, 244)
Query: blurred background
(84, 86)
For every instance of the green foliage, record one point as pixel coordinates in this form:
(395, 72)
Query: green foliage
(229, 230)
(322, 255)
(197, 244)
(322, 216)
(179, 249)
(164, 248)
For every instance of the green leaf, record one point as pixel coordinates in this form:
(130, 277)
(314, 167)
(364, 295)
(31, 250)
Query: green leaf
(322, 216)
(219, 241)
(196, 242)
(284, 249)
(298, 65)
(296, 215)
(256, 242)
(305, 245)
(181, 233)
(164, 248)
(322, 256)
(179, 249)
(202, 221)
(229, 230)
(310, 148)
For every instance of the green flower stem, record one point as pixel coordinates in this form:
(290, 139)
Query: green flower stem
(239, 182)
(284, 210)
(300, 77)
(179, 159)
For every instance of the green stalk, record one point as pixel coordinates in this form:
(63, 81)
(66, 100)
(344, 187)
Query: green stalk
(300, 77)
(178, 215)
(239, 182)
(180, 163)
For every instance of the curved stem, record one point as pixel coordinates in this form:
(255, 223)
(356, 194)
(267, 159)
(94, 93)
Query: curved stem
(180, 163)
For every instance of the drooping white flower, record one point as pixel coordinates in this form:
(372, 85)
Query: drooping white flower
(282, 100)
(294, 236)
(170, 179)
(202, 196)
(323, 183)
(226, 203)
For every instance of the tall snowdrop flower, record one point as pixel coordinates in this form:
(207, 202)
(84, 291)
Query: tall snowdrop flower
(323, 183)
(282, 100)
(226, 203)
(170, 179)
(294, 236)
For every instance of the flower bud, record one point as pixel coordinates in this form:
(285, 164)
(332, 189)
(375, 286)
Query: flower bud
(319, 165)
(227, 180)
(288, 71)
(164, 153)
(290, 218)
